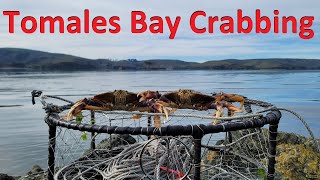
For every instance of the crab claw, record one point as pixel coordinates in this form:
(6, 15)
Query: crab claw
(158, 106)
(146, 95)
(235, 98)
(166, 112)
(87, 104)
(218, 106)
(161, 107)
(229, 98)
(233, 109)
(76, 108)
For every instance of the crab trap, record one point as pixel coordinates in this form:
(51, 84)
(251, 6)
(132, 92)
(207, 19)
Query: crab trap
(149, 135)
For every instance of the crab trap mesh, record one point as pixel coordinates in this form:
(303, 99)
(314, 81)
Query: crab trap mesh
(187, 143)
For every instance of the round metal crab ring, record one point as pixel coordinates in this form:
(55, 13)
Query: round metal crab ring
(166, 158)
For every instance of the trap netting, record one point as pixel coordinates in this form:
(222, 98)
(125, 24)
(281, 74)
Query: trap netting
(165, 158)
(241, 154)
(189, 144)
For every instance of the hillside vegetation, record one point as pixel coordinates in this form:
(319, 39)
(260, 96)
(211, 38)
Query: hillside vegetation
(38, 60)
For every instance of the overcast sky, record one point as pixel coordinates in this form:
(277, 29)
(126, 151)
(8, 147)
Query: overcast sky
(186, 46)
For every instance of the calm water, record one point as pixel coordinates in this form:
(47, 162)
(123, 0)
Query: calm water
(23, 133)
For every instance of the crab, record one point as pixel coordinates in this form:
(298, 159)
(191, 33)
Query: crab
(146, 101)
(188, 99)
(118, 99)
(155, 102)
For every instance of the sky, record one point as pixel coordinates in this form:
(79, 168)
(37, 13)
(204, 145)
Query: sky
(187, 45)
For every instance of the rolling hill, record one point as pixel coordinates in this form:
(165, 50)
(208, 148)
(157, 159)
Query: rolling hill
(38, 60)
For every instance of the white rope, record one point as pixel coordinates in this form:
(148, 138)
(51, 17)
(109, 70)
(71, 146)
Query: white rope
(125, 165)
(182, 115)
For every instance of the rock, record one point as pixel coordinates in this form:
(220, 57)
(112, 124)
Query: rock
(6, 177)
(108, 147)
(298, 161)
(35, 169)
(290, 138)
(36, 173)
(297, 156)
(294, 139)
(115, 141)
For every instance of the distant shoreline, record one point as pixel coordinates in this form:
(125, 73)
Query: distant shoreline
(146, 70)
(13, 58)
(8, 106)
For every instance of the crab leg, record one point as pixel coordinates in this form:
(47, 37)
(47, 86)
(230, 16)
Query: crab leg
(85, 104)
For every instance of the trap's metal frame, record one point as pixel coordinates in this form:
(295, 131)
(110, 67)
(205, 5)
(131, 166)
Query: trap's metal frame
(196, 131)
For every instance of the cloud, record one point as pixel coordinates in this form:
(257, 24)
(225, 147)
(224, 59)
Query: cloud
(186, 46)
